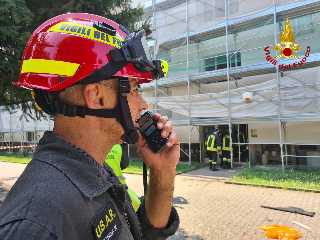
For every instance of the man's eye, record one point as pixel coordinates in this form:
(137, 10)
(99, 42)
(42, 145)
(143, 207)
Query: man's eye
(136, 90)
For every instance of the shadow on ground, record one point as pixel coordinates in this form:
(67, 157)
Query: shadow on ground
(4, 189)
(205, 174)
(181, 235)
(180, 200)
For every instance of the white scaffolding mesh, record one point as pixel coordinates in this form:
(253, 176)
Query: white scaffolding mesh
(170, 23)
(299, 94)
(18, 122)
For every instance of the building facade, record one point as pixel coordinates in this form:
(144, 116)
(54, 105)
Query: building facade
(221, 52)
(224, 71)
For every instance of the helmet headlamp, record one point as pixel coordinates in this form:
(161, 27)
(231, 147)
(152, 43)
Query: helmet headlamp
(134, 49)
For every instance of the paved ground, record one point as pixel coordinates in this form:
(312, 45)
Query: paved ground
(9, 173)
(210, 209)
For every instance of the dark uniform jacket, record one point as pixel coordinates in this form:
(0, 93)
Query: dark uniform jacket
(213, 141)
(65, 194)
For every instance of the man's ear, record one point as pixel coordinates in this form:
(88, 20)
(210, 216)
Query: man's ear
(98, 97)
(93, 96)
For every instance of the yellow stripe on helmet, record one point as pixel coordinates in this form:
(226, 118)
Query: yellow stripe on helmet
(49, 66)
(87, 32)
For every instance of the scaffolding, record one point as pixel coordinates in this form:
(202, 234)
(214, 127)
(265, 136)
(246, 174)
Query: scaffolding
(18, 130)
(213, 43)
(215, 50)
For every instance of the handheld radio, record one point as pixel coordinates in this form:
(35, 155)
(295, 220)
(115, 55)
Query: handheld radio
(150, 132)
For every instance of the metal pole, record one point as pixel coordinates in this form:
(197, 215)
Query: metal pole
(34, 135)
(235, 50)
(154, 52)
(239, 141)
(228, 78)
(189, 121)
(23, 134)
(285, 141)
(48, 117)
(128, 150)
(11, 136)
(198, 58)
(278, 86)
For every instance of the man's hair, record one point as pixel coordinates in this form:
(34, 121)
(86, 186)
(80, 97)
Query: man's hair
(112, 84)
(72, 95)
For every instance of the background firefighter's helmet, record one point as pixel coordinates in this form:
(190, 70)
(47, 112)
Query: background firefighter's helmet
(70, 47)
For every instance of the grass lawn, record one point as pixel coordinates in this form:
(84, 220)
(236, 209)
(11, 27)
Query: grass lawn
(15, 158)
(297, 178)
(134, 166)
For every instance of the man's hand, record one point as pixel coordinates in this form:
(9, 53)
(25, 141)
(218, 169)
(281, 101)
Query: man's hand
(167, 157)
(158, 201)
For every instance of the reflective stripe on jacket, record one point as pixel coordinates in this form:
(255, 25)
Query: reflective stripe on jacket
(213, 142)
(241, 139)
(226, 143)
(211, 146)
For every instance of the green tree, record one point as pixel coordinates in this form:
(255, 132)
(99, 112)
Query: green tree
(15, 19)
(119, 11)
(19, 18)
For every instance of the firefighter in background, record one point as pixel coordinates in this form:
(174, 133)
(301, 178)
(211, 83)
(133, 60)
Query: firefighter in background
(118, 160)
(226, 148)
(242, 142)
(213, 147)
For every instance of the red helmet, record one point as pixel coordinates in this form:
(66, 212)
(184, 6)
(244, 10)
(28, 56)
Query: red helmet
(71, 47)
(80, 48)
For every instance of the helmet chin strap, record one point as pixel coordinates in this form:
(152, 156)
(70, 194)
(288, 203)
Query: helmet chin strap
(131, 134)
(48, 103)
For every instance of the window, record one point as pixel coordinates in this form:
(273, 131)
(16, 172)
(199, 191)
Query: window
(30, 136)
(301, 22)
(220, 62)
(298, 24)
(308, 147)
(254, 133)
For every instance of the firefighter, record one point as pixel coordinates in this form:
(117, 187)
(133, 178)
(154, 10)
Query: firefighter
(213, 146)
(85, 70)
(226, 147)
(242, 142)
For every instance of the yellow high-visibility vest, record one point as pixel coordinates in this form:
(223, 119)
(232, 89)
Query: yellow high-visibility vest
(114, 159)
(226, 145)
(241, 139)
(211, 145)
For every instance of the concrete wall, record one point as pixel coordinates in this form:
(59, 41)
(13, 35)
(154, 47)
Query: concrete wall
(266, 132)
(303, 132)
(183, 134)
(296, 132)
(18, 137)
